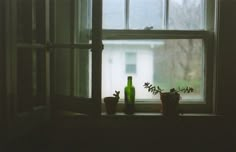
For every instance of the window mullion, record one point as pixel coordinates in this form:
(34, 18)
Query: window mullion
(72, 54)
(97, 48)
(33, 21)
(55, 45)
(153, 34)
(127, 10)
(166, 14)
(47, 54)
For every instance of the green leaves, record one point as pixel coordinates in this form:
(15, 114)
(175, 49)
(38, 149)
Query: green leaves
(153, 89)
(156, 89)
(185, 90)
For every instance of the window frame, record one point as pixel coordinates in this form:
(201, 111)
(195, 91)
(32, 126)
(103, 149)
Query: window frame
(208, 37)
(90, 105)
(98, 35)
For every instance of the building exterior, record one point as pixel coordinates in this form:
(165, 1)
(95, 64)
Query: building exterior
(123, 58)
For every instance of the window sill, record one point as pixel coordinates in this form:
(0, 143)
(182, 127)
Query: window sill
(160, 116)
(121, 114)
(139, 120)
(67, 114)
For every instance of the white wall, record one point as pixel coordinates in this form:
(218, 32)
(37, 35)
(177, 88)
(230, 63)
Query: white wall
(114, 75)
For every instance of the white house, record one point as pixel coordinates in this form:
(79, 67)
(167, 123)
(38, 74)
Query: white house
(123, 58)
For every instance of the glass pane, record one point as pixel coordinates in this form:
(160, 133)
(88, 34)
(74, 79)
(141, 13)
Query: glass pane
(24, 21)
(113, 14)
(63, 21)
(167, 63)
(83, 21)
(72, 21)
(31, 78)
(39, 22)
(146, 14)
(72, 72)
(130, 59)
(186, 14)
(130, 68)
(31, 21)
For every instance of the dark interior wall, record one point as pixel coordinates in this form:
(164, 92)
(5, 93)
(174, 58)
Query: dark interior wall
(131, 134)
(2, 74)
(227, 58)
(226, 62)
(2, 59)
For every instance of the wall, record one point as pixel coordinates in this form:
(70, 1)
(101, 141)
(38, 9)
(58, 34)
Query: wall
(140, 133)
(227, 58)
(227, 61)
(2, 60)
(2, 75)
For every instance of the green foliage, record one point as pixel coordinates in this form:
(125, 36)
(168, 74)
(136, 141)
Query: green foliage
(151, 88)
(156, 89)
(194, 84)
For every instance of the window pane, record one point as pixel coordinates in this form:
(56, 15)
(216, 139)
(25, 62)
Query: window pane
(31, 21)
(31, 80)
(63, 21)
(130, 68)
(167, 63)
(83, 21)
(130, 59)
(24, 21)
(72, 72)
(72, 21)
(113, 14)
(39, 21)
(186, 14)
(146, 14)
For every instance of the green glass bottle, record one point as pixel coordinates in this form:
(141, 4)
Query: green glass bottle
(129, 97)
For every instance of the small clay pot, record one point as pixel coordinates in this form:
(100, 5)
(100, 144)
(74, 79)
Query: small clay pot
(111, 104)
(170, 102)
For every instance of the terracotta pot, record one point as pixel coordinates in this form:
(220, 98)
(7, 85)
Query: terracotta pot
(110, 104)
(170, 102)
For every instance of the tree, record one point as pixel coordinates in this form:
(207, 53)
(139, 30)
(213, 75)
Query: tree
(183, 56)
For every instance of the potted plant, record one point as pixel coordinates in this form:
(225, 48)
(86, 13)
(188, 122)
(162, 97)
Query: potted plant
(169, 100)
(111, 102)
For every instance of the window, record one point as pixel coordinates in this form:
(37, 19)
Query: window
(85, 49)
(165, 42)
(53, 52)
(71, 57)
(130, 65)
(153, 14)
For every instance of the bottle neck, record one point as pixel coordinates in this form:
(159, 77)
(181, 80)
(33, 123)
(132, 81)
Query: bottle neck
(129, 83)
